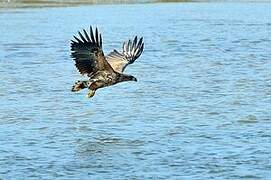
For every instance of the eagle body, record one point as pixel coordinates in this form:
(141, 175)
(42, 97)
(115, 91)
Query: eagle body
(102, 70)
(103, 79)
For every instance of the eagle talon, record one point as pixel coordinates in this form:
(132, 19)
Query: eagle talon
(90, 94)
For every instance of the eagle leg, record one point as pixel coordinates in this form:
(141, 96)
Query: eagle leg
(90, 94)
(92, 86)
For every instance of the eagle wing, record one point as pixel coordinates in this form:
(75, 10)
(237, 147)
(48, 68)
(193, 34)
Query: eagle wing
(88, 54)
(131, 50)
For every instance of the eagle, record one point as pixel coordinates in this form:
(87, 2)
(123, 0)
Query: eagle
(102, 71)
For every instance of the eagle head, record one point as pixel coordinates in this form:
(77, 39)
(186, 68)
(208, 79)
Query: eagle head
(125, 77)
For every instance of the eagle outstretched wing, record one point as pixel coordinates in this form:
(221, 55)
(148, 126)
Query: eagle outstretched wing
(88, 54)
(131, 50)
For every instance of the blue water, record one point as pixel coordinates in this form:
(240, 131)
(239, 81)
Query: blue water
(201, 108)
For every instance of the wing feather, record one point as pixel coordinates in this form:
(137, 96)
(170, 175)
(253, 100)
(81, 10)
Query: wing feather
(82, 37)
(88, 54)
(86, 35)
(97, 36)
(101, 44)
(131, 50)
(91, 34)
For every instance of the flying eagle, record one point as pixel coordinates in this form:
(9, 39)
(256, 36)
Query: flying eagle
(102, 71)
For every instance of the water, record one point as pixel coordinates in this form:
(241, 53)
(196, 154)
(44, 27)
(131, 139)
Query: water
(200, 108)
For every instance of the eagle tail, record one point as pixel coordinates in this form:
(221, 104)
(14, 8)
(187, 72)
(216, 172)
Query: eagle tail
(79, 85)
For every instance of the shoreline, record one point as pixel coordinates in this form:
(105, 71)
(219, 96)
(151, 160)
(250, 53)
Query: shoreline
(13, 4)
(71, 3)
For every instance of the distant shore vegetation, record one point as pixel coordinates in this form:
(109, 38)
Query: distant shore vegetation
(63, 3)
(55, 3)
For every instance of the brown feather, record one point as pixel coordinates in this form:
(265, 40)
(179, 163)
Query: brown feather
(88, 55)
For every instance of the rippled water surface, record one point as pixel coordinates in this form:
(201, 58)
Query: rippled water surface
(201, 108)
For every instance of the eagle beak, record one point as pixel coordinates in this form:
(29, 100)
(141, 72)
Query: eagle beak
(134, 79)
